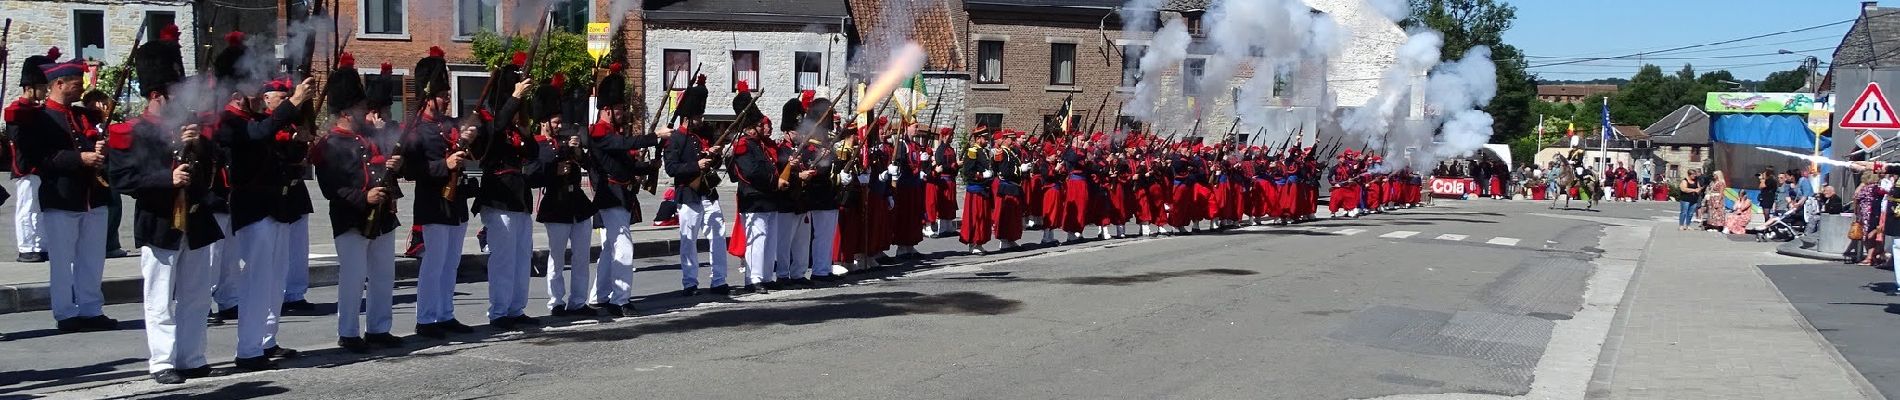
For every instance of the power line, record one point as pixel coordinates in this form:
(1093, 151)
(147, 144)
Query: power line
(1646, 53)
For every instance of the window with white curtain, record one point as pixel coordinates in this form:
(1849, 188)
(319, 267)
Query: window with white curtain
(810, 67)
(989, 56)
(745, 67)
(1062, 63)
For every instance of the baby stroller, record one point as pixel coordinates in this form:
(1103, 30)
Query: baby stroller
(1783, 226)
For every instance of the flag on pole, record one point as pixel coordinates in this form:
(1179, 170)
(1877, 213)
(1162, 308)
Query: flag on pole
(1607, 129)
(1067, 113)
(1572, 134)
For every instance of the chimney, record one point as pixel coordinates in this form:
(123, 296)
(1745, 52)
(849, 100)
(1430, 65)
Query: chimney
(1869, 5)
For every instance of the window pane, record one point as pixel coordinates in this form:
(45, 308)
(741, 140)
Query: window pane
(990, 120)
(678, 68)
(990, 57)
(1191, 72)
(373, 13)
(1062, 64)
(157, 20)
(808, 68)
(745, 68)
(468, 92)
(1131, 64)
(89, 33)
(474, 16)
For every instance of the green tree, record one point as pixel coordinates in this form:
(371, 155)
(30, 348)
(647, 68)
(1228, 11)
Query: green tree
(1786, 81)
(1713, 81)
(561, 52)
(1471, 23)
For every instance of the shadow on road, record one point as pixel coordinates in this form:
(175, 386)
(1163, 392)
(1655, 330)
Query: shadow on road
(804, 312)
(1126, 280)
(236, 390)
(105, 371)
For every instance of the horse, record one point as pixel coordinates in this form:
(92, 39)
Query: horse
(1587, 186)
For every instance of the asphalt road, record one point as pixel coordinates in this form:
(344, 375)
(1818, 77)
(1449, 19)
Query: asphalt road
(1458, 298)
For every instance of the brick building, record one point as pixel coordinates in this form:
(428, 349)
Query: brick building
(99, 30)
(1571, 93)
(778, 47)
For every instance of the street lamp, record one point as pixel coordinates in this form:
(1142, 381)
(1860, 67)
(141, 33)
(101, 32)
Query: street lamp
(1738, 85)
(1812, 64)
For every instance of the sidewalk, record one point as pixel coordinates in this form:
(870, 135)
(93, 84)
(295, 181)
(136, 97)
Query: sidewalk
(23, 286)
(1700, 320)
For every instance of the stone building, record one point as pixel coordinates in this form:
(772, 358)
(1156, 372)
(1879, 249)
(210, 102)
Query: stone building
(779, 48)
(100, 30)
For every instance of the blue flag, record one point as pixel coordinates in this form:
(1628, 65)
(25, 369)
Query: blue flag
(1607, 129)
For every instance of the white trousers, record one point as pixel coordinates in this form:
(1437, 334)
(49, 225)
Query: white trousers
(177, 297)
(702, 220)
(796, 256)
(613, 280)
(510, 254)
(265, 243)
(76, 254)
(568, 277)
(762, 231)
(814, 252)
(435, 282)
(224, 255)
(297, 260)
(364, 265)
(26, 214)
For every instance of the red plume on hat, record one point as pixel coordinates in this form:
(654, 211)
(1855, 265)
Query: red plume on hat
(169, 33)
(234, 38)
(615, 67)
(387, 69)
(53, 52)
(435, 51)
(946, 131)
(743, 87)
(346, 60)
(805, 97)
(521, 58)
(701, 79)
(558, 80)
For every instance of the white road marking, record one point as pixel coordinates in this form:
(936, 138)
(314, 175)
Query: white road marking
(1452, 237)
(1399, 234)
(1502, 241)
(1349, 232)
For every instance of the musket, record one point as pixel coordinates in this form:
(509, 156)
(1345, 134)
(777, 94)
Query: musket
(1098, 111)
(725, 135)
(125, 78)
(669, 92)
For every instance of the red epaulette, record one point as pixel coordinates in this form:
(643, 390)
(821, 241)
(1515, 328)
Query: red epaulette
(600, 130)
(739, 147)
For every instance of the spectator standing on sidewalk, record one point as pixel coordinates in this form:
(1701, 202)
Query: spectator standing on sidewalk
(1688, 194)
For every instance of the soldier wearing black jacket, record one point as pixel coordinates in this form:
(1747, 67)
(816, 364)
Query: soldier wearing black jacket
(764, 199)
(431, 146)
(64, 146)
(690, 157)
(565, 210)
(355, 174)
(154, 161)
(616, 175)
(979, 192)
(503, 199)
(815, 193)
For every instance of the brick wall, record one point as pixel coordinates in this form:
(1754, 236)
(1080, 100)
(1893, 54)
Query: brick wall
(1025, 94)
(39, 24)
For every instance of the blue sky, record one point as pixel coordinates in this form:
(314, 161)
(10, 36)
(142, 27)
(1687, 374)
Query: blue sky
(1563, 30)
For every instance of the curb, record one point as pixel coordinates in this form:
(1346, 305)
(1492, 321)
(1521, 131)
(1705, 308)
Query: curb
(130, 289)
(1794, 248)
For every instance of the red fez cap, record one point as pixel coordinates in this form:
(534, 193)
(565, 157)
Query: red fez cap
(435, 51)
(521, 58)
(169, 33)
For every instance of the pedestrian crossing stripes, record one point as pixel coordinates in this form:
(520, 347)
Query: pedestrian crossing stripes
(1399, 234)
(1502, 241)
(1452, 237)
(1349, 232)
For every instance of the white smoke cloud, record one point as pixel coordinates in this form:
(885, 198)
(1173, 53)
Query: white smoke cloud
(1373, 123)
(1393, 10)
(1165, 52)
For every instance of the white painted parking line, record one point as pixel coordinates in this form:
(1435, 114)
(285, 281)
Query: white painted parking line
(1452, 237)
(1399, 234)
(1349, 232)
(1503, 241)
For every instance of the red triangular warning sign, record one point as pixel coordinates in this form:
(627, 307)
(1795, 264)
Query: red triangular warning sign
(1871, 111)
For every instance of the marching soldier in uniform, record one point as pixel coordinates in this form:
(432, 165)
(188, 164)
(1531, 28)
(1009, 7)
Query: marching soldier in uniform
(431, 145)
(26, 179)
(816, 196)
(355, 174)
(940, 185)
(616, 175)
(907, 157)
(65, 149)
(251, 128)
(690, 157)
(566, 213)
(979, 192)
(1006, 212)
(156, 160)
(763, 197)
(503, 201)
(692, 107)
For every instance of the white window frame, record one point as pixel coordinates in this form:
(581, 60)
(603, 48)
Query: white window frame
(455, 22)
(455, 88)
(732, 71)
(1121, 46)
(362, 21)
(1075, 61)
(666, 82)
(819, 62)
(105, 31)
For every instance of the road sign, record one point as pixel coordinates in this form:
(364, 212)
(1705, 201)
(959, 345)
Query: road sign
(597, 38)
(1871, 111)
(1867, 140)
